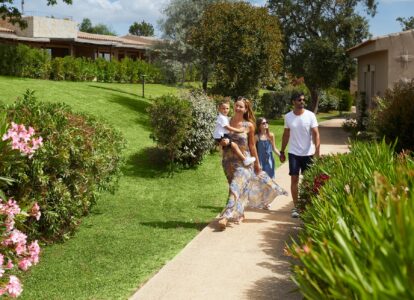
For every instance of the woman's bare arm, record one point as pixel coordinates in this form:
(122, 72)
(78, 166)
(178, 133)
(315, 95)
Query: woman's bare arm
(252, 147)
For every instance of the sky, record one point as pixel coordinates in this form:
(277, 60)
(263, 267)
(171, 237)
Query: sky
(120, 14)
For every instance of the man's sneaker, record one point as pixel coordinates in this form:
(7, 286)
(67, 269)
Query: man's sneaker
(249, 160)
(295, 213)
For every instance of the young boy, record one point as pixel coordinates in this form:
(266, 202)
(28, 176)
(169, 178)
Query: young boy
(222, 132)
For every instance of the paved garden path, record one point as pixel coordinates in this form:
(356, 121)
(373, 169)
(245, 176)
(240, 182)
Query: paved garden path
(246, 261)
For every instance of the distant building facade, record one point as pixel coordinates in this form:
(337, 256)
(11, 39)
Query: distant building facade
(382, 62)
(61, 38)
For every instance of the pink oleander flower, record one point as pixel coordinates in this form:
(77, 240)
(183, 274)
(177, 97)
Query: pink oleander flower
(22, 139)
(21, 249)
(14, 287)
(1, 272)
(35, 211)
(18, 237)
(25, 264)
(34, 251)
(9, 265)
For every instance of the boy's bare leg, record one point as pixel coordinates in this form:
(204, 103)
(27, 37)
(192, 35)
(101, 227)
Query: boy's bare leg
(237, 150)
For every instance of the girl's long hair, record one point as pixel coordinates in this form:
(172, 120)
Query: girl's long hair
(258, 123)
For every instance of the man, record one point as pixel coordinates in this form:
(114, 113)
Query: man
(302, 134)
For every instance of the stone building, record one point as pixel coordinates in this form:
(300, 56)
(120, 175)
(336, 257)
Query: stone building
(382, 62)
(61, 38)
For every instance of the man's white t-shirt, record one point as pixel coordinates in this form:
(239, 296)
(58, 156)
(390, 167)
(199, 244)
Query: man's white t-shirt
(221, 121)
(300, 140)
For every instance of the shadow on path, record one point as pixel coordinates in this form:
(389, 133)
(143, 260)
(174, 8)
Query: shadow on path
(280, 286)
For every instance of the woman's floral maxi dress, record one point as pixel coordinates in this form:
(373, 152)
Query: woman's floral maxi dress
(246, 188)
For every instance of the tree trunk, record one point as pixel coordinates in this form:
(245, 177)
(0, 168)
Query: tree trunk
(315, 100)
(204, 75)
(183, 70)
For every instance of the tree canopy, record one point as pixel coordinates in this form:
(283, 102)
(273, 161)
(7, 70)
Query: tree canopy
(180, 17)
(317, 35)
(406, 23)
(243, 42)
(8, 10)
(86, 26)
(141, 29)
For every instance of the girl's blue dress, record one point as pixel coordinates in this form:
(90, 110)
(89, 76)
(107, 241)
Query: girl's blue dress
(264, 151)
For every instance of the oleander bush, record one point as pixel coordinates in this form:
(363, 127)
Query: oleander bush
(356, 242)
(184, 126)
(80, 158)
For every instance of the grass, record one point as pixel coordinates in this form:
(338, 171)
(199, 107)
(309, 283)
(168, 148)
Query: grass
(133, 233)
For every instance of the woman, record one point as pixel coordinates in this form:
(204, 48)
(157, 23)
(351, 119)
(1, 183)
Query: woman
(247, 187)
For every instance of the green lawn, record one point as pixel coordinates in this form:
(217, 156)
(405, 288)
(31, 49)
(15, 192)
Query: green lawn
(132, 234)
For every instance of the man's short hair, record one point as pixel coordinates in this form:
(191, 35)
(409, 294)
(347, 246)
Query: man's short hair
(297, 95)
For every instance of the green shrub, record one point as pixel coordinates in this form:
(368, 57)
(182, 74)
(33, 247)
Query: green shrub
(80, 158)
(23, 61)
(395, 121)
(274, 104)
(327, 102)
(357, 241)
(171, 120)
(183, 126)
(345, 99)
(199, 138)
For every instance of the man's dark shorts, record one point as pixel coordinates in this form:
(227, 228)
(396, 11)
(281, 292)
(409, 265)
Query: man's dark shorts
(225, 136)
(299, 164)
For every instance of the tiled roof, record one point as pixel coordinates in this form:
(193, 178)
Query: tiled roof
(128, 39)
(7, 30)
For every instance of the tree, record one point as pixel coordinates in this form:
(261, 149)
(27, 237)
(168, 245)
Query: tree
(142, 29)
(406, 23)
(317, 35)
(86, 26)
(244, 44)
(180, 17)
(8, 10)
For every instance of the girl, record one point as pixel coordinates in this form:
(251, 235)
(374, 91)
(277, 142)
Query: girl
(265, 144)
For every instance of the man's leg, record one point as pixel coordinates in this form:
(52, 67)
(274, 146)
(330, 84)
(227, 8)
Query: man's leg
(294, 169)
(294, 188)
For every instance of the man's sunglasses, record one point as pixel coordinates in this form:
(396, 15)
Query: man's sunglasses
(300, 100)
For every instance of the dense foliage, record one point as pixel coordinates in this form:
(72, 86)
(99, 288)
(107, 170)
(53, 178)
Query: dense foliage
(141, 29)
(184, 126)
(80, 158)
(357, 241)
(395, 120)
(243, 42)
(86, 26)
(274, 104)
(317, 35)
(23, 61)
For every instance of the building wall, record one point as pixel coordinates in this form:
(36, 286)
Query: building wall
(401, 58)
(373, 74)
(48, 27)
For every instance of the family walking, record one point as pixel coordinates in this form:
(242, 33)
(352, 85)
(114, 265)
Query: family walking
(248, 163)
